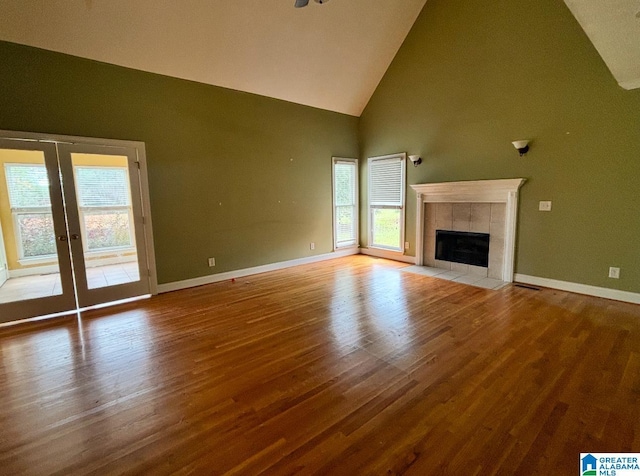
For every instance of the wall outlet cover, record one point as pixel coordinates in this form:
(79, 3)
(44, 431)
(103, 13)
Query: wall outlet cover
(544, 206)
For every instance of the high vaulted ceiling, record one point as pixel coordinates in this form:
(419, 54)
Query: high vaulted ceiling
(329, 56)
(613, 26)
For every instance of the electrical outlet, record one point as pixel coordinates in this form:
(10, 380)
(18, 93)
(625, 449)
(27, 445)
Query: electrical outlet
(212, 262)
(312, 246)
(406, 245)
(545, 206)
(614, 272)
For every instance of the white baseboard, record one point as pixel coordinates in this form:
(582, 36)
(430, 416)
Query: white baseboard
(587, 289)
(34, 270)
(216, 278)
(394, 255)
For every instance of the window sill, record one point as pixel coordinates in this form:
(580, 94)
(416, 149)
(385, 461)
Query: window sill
(388, 250)
(27, 262)
(110, 252)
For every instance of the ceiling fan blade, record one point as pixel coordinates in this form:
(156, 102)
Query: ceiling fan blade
(302, 3)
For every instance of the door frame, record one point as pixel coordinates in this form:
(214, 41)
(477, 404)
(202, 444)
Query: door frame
(141, 158)
(86, 295)
(4, 271)
(65, 301)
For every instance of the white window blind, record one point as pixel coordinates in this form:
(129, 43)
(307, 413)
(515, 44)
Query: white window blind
(345, 202)
(104, 204)
(28, 186)
(102, 186)
(386, 202)
(386, 182)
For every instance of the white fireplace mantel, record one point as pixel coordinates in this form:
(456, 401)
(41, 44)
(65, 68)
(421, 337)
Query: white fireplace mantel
(476, 191)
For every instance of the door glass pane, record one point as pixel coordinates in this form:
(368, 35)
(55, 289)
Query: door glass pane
(103, 195)
(29, 256)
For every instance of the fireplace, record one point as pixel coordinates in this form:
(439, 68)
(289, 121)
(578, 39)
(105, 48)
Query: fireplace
(480, 206)
(462, 247)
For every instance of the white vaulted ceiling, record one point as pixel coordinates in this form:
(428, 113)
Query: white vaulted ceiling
(613, 26)
(329, 56)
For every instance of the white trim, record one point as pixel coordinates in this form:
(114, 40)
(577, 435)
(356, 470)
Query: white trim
(354, 162)
(61, 138)
(387, 254)
(476, 191)
(141, 160)
(402, 158)
(216, 278)
(34, 271)
(578, 288)
(33, 262)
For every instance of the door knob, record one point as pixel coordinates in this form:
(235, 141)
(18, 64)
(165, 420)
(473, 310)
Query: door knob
(62, 238)
(75, 236)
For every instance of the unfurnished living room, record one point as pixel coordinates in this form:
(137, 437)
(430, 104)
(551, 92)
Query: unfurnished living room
(345, 237)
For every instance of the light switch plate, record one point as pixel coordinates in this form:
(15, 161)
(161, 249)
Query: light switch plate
(544, 206)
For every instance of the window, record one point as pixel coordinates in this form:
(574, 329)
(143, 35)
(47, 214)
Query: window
(386, 201)
(345, 202)
(28, 186)
(104, 203)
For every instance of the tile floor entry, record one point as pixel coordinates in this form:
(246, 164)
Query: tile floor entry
(43, 285)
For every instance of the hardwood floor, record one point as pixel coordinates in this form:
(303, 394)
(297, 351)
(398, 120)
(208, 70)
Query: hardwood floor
(342, 367)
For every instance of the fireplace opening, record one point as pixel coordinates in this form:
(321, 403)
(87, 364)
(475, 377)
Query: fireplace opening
(463, 247)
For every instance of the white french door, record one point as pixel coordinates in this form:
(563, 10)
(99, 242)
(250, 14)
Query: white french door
(35, 232)
(4, 272)
(104, 219)
(78, 235)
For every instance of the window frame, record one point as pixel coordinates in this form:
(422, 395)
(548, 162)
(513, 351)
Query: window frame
(17, 212)
(402, 159)
(83, 209)
(356, 203)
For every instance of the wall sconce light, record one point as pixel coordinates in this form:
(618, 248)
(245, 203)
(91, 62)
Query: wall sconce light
(416, 159)
(522, 146)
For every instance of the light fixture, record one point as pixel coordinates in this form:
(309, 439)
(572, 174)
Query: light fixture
(304, 3)
(416, 159)
(522, 146)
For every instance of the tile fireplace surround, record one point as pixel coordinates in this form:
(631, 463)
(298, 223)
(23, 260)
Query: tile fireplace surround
(486, 206)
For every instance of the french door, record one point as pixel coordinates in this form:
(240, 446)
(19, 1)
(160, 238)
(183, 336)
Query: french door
(4, 272)
(73, 229)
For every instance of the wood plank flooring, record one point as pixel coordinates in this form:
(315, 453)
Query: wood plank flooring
(346, 367)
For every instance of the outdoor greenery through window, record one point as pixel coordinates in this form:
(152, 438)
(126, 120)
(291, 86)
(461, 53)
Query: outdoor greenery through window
(386, 202)
(345, 202)
(104, 204)
(28, 187)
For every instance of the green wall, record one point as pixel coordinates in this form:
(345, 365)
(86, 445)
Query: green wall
(471, 77)
(240, 177)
